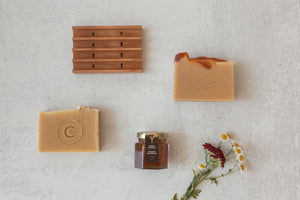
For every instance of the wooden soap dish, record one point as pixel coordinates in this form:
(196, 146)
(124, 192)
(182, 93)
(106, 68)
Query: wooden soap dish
(107, 49)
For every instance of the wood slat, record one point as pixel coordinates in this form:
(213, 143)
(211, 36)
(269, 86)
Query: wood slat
(132, 65)
(107, 49)
(82, 71)
(103, 33)
(107, 60)
(106, 54)
(106, 38)
(107, 27)
(107, 44)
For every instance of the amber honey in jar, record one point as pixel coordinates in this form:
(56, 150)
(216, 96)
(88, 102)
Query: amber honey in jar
(151, 150)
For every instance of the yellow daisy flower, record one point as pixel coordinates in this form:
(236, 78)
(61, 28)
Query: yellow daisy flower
(201, 167)
(224, 137)
(242, 168)
(240, 158)
(236, 144)
(229, 135)
(237, 150)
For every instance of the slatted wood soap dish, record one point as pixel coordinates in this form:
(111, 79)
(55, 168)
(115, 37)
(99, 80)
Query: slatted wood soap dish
(107, 49)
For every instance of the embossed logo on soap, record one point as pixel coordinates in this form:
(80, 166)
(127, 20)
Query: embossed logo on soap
(204, 85)
(69, 131)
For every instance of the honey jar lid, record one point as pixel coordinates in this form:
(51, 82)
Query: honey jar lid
(142, 135)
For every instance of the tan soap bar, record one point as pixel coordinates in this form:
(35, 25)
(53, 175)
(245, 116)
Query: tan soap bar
(203, 79)
(70, 130)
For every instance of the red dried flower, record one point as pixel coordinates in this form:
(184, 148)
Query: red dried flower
(216, 153)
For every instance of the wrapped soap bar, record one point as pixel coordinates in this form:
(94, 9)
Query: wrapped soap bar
(203, 79)
(70, 130)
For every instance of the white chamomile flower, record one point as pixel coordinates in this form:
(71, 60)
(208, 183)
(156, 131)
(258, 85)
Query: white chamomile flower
(235, 144)
(238, 151)
(240, 158)
(201, 167)
(232, 143)
(242, 168)
(229, 136)
(224, 137)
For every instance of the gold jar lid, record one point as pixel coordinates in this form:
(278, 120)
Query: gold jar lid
(141, 135)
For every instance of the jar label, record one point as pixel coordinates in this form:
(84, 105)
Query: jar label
(151, 148)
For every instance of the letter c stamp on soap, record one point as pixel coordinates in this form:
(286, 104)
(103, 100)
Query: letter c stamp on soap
(69, 131)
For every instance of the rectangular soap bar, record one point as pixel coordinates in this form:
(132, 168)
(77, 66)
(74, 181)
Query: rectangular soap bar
(70, 130)
(203, 79)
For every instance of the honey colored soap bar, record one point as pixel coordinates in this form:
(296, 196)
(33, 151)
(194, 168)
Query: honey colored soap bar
(70, 130)
(203, 79)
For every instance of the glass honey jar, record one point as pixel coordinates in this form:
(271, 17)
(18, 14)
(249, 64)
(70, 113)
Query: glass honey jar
(151, 151)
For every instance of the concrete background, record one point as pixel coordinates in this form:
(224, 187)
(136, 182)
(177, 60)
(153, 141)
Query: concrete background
(261, 37)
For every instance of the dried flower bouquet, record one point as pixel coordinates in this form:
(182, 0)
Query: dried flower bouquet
(215, 158)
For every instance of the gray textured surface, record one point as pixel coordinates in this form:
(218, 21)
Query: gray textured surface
(261, 37)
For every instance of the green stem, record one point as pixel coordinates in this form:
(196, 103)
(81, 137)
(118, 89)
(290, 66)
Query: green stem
(231, 172)
(204, 177)
(208, 163)
(197, 179)
(219, 145)
(229, 158)
(231, 151)
(206, 154)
